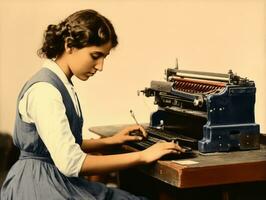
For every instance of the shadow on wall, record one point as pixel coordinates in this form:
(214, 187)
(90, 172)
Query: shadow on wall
(9, 154)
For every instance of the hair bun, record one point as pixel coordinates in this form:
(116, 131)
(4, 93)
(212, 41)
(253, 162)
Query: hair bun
(84, 28)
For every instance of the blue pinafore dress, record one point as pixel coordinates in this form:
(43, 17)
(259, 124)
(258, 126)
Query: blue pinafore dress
(34, 176)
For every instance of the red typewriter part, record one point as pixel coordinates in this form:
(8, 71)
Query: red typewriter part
(197, 86)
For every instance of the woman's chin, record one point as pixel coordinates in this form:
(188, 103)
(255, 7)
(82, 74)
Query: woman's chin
(83, 78)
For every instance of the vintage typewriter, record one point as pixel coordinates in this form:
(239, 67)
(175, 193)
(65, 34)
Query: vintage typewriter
(204, 111)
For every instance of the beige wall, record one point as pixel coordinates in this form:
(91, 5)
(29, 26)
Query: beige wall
(205, 35)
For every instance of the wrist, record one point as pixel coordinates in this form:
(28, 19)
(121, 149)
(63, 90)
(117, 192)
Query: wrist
(142, 157)
(109, 140)
(114, 140)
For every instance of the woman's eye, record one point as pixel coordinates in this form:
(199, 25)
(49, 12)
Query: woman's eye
(95, 56)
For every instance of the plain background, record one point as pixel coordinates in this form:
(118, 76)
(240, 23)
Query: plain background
(205, 35)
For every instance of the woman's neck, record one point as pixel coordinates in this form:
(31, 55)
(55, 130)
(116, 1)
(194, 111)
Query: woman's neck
(64, 67)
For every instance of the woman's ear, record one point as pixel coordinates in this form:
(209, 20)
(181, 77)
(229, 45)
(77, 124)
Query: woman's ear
(68, 46)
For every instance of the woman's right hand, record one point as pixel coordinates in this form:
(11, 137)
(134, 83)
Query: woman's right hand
(158, 150)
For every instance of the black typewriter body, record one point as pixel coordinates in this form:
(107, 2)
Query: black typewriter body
(214, 111)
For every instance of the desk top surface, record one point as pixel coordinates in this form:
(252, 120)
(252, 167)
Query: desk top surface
(205, 169)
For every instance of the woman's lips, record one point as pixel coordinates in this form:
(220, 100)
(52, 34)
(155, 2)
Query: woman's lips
(90, 74)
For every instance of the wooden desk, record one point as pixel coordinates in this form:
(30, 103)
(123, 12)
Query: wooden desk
(220, 172)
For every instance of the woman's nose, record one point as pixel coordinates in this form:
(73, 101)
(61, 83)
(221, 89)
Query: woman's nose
(99, 65)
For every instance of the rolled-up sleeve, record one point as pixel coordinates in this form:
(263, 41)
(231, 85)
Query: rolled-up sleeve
(44, 106)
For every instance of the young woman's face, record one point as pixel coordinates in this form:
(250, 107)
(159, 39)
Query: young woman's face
(85, 62)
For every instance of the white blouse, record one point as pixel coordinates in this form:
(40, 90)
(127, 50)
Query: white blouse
(43, 105)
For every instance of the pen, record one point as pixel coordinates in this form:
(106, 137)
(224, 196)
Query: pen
(133, 116)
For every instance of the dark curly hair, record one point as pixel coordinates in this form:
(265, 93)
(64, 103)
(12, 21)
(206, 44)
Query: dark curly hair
(81, 29)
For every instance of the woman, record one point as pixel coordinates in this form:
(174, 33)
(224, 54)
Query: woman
(49, 120)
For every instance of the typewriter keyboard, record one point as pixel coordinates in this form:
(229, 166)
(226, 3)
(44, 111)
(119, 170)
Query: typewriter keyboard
(167, 135)
(157, 135)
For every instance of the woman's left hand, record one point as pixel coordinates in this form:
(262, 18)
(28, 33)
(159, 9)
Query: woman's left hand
(130, 133)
